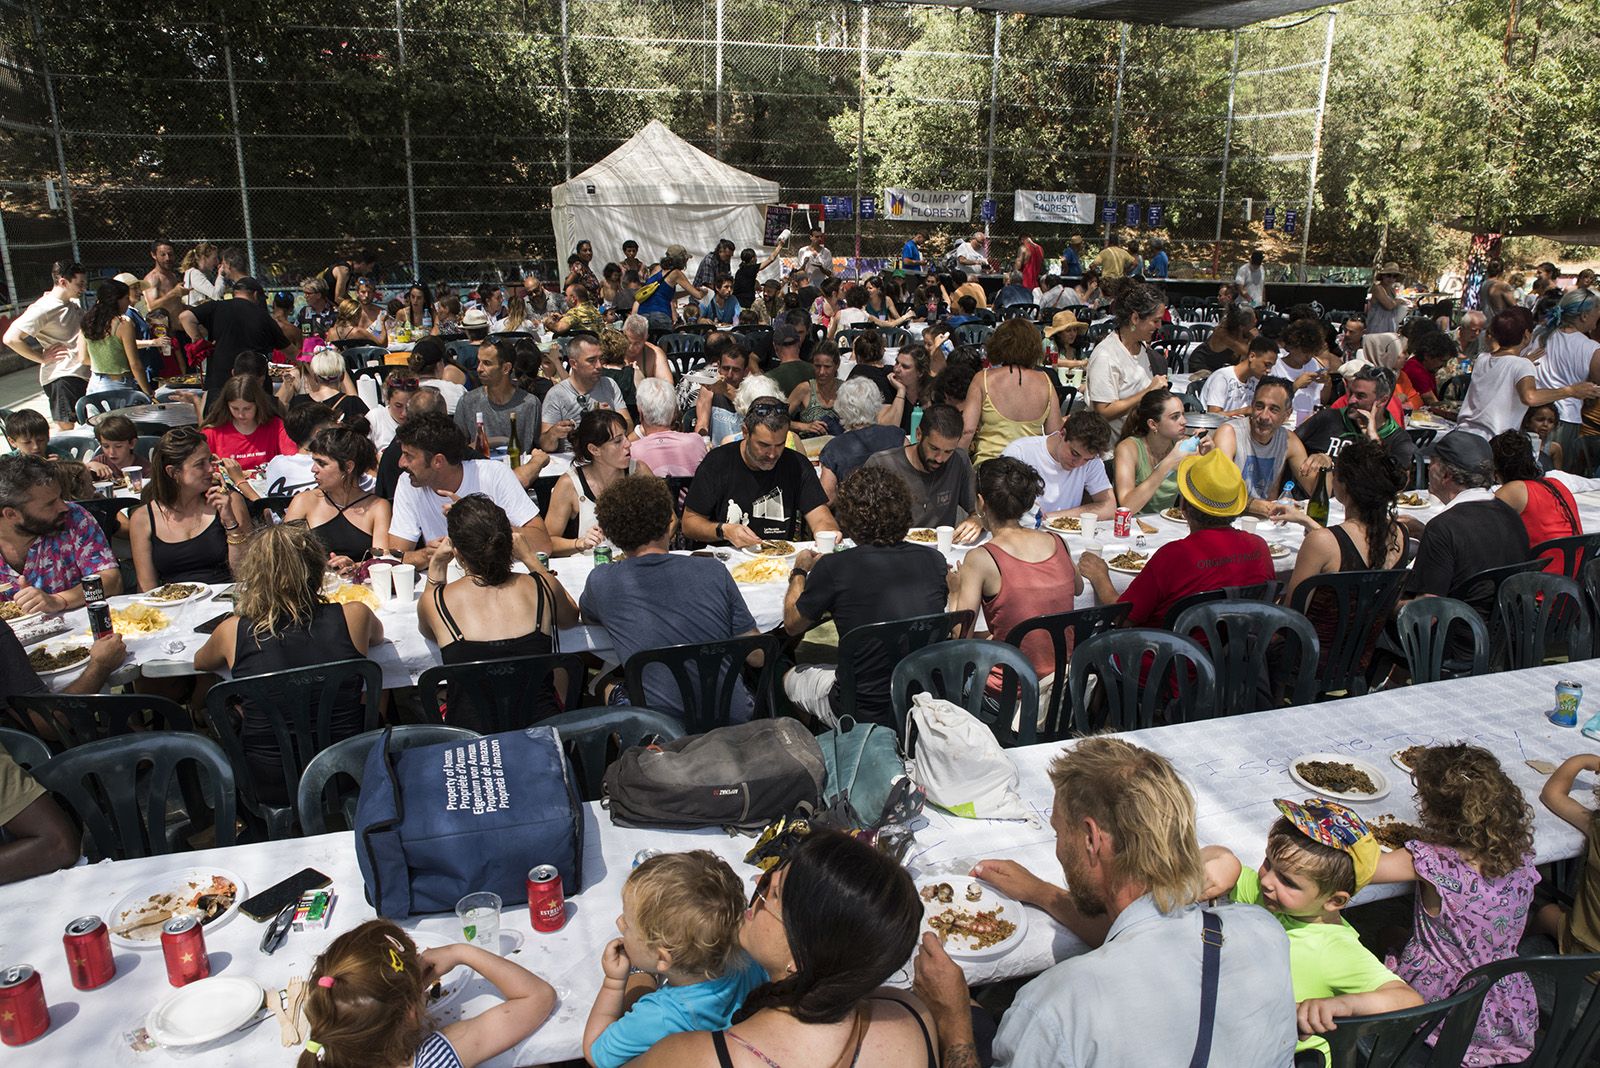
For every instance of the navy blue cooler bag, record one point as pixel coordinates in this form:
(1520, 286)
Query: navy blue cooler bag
(438, 822)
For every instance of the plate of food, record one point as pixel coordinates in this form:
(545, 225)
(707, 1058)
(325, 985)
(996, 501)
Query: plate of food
(1128, 562)
(1343, 778)
(772, 548)
(57, 658)
(205, 1010)
(1413, 501)
(11, 612)
(138, 620)
(174, 593)
(449, 986)
(971, 918)
(762, 571)
(213, 894)
(1277, 549)
(1175, 514)
(1066, 524)
(352, 591)
(1406, 759)
(922, 535)
(1392, 833)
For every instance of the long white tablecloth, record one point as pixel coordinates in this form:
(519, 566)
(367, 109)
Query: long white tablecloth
(1234, 766)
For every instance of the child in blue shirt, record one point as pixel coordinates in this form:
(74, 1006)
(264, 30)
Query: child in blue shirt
(680, 927)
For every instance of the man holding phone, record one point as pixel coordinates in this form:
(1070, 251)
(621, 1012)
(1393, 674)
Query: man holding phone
(1367, 415)
(1304, 363)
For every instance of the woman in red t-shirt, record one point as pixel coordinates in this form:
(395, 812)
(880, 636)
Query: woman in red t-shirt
(1547, 507)
(245, 424)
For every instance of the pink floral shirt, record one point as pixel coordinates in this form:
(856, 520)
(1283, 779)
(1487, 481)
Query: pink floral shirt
(58, 562)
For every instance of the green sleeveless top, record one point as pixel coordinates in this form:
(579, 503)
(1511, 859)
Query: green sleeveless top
(1167, 493)
(106, 355)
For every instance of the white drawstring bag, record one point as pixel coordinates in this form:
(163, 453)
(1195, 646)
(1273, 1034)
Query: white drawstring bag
(960, 763)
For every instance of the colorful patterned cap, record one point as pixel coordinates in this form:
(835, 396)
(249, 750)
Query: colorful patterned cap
(1332, 824)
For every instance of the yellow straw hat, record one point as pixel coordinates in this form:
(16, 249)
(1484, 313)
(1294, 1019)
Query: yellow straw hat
(1213, 484)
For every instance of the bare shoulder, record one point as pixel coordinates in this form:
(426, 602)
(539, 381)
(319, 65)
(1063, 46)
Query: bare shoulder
(685, 1049)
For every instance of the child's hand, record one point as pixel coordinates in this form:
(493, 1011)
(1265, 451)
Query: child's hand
(1315, 1016)
(614, 960)
(436, 963)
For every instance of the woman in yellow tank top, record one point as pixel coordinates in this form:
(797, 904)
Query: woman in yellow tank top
(1010, 384)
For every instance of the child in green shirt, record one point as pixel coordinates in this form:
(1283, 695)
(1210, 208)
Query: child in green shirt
(1319, 854)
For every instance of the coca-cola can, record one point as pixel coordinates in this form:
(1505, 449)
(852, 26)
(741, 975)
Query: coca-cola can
(183, 944)
(24, 1016)
(547, 905)
(1122, 523)
(88, 945)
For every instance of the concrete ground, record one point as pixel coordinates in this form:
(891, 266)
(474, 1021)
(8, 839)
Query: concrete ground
(20, 389)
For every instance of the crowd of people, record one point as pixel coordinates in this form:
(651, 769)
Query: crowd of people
(784, 424)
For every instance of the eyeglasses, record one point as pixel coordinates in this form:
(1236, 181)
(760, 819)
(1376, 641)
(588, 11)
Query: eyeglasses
(758, 896)
(404, 384)
(765, 408)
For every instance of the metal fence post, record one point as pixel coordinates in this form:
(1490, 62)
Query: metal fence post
(1227, 146)
(1116, 128)
(994, 111)
(1316, 146)
(55, 127)
(566, 102)
(861, 130)
(12, 301)
(405, 127)
(719, 79)
(238, 152)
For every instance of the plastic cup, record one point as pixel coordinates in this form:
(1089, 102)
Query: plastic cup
(135, 478)
(1087, 524)
(827, 541)
(947, 537)
(382, 578)
(480, 920)
(103, 489)
(1248, 523)
(405, 582)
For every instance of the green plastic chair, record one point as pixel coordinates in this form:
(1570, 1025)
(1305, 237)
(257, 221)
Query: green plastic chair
(125, 790)
(959, 671)
(1239, 636)
(1393, 1039)
(1571, 1032)
(81, 718)
(490, 696)
(593, 738)
(1573, 551)
(349, 759)
(1081, 624)
(1424, 627)
(898, 638)
(1537, 610)
(24, 748)
(705, 674)
(1362, 603)
(1118, 659)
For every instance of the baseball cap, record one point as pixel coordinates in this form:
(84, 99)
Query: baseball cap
(127, 278)
(785, 333)
(1338, 827)
(1464, 451)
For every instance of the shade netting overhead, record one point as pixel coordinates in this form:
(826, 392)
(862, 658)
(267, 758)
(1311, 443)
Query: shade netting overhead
(659, 190)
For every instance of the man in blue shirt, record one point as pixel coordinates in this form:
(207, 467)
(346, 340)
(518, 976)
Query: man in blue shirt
(722, 306)
(1157, 265)
(1071, 259)
(911, 253)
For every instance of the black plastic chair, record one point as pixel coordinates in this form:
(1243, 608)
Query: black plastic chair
(1393, 1039)
(464, 352)
(23, 748)
(359, 356)
(1572, 551)
(124, 790)
(107, 400)
(490, 696)
(1537, 611)
(1424, 626)
(1029, 312)
(1082, 624)
(1589, 579)
(594, 737)
(959, 671)
(261, 505)
(895, 638)
(1246, 641)
(682, 344)
(706, 674)
(77, 719)
(973, 334)
(1571, 1031)
(1362, 604)
(72, 446)
(1263, 592)
(1420, 436)
(301, 702)
(1179, 683)
(895, 337)
(1482, 590)
(106, 509)
(349, 760)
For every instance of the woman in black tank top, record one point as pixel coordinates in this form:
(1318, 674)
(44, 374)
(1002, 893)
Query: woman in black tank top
(350, 521)
(192, 529)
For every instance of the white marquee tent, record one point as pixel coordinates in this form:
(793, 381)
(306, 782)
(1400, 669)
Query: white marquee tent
(659, 190)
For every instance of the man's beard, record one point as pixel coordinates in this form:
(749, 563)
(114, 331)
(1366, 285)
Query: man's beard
(1084, 899)
(42, 528)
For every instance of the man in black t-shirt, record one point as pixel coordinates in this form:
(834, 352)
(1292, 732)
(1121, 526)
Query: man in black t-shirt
(233, 326)
(883, 578)
(756, 488)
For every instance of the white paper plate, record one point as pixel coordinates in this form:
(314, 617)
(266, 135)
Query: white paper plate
(753, 551)
(1180, 520)
(932, 542)
(146, 598)
(60, 645)
(179, 879)
(958, 946)
(1416, 507)
(1124, 570)
(453, 981)
(1378, 777)
(1066, 533)
(14, 620)
(1277, 550)
(1401, 764)
(205, 1010)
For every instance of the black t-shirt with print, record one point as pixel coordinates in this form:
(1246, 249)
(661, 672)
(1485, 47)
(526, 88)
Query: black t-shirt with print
(773, 503)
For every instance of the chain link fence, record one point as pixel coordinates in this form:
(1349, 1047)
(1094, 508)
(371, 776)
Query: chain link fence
(431, 130)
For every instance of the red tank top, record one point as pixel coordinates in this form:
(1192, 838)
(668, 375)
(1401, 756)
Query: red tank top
(1028, 590)
(1550, 513)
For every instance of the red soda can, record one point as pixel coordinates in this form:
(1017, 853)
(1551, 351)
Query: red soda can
(24, 1016)
(89, 952)
(183, 944)
(1123, 523)
(547, 905)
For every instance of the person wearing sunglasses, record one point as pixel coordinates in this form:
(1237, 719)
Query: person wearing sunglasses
(756, 488)
(830, 926)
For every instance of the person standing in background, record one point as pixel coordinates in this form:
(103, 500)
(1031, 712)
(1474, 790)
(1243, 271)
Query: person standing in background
(1030, 262)
(1251, 278)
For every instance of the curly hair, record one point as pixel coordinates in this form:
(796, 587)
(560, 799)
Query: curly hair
(1372, 478)
(1514, 460)
(634, 510)
(690, 904)
(1466, 801)
(1008, 487)
(873, 507)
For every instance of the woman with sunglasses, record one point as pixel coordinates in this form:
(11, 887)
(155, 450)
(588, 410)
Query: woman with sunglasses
(349, 519)
(830, 926)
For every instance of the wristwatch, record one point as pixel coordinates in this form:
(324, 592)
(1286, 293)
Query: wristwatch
(802, 572)
(719, 533)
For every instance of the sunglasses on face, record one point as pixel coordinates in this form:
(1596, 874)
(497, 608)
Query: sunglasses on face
(758, 896)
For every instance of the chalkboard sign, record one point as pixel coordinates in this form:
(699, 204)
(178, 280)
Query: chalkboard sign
(778, 220)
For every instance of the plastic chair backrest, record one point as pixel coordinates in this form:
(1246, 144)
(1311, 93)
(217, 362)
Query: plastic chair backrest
(1392, 1039)
(706, 675)
(361, 355)
(959, 671)
(1572, 551)
(107, 400)
(106, 509)
(900, 638)
(895, 337)
(1589, 579)
(594, 737)
(1020, 311)
(1424, 626)
(145, 445)
(1572, 1031)
(78, 719)
(1264, 592)
(1363, 601)
(1240, 636)
(1136, 670)
(1536, 610)
(973, 333)
(72, 446)
(1482, 590)
(465, 352)
(682, 344)
(490, 696)
(301, 700)
(349, 758)
(24, 748)
(122, 789)
(1078, 625)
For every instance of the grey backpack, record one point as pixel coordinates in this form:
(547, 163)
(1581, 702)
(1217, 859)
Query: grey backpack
(741, 777)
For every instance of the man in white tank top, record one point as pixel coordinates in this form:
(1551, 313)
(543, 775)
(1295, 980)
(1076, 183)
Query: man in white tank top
(1260, 444)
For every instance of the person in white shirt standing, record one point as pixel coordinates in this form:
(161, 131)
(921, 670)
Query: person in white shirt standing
(815, 260)
(1505, 384)
(1251, 278)
(1119, 367)
(53, 323)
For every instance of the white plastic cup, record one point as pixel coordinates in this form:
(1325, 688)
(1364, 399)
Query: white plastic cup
(947, 538)
(135, 478)
(405, 582)
(827, 541)
(382, 578)
(1087, 524)
(103, 489)
(1248, 523)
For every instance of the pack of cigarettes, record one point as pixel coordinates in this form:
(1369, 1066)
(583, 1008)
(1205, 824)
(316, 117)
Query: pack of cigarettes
(314, 910)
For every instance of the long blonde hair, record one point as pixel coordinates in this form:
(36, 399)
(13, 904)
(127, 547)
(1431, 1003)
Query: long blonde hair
(191, 259)
(280, 579)
(1136, 797)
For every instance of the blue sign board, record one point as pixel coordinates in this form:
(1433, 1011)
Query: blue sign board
(1132, 214)
(1108, 213)
(987, 210)
(1271, 218)
(869, 207)
(1290, 217)
(1154, 215)
(838, 207)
